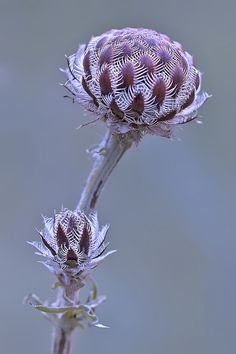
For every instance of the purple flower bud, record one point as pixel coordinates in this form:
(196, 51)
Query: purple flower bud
(136, 79)
(72, 242)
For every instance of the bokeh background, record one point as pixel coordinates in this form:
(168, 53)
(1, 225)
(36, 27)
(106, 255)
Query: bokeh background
(171, 286)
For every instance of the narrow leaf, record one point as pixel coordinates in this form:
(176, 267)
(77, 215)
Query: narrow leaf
(53, 309)
(99, 325)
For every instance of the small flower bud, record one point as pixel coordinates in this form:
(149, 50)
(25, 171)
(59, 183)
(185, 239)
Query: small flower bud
(136, 79)
(72, 242)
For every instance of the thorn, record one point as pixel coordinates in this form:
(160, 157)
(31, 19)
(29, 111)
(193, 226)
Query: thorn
(99, 325)
(208, 95)
(199, 121)
(88, 123)
(38, 231)
(70, 98)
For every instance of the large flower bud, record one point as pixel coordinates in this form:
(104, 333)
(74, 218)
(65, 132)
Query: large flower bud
(72, 242)
(136, 79)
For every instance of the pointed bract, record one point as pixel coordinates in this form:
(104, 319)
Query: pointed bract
(72, 242)
(136, 79)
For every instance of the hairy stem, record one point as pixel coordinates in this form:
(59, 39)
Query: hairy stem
(61, 340)
(107, 155)
(63, 327)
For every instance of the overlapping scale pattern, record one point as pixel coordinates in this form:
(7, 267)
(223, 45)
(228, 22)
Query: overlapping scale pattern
(136, 79)
(72, 242)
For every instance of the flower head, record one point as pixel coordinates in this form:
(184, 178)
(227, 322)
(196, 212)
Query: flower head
(72, 242)
(136, 79)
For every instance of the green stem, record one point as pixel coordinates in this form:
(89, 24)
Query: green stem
(63, 327)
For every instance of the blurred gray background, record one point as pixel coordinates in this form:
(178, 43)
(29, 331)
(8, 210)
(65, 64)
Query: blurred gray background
(171, 286)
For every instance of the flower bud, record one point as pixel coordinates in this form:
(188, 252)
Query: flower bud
(136, 79)
(72, 242)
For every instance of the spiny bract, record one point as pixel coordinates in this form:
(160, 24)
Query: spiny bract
(72, 242)
(136, 79)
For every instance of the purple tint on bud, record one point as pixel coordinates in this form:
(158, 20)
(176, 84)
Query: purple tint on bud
(184, 65)
(138, 104)
(106, 56)
(139, 46)
(125, 50)
(115, 110)
(46, 244)
(177, 80)
(136, 79)
(84, 241)
(71, 255)
(61, 236)
(189, 100)
(159, 92)
(146, 61)
(72, 242)
(151, 42)
(87, 90)
(197, 82)
(164, 56)
(127, 74)
(101, 42)
(168, 116)
(105, 82)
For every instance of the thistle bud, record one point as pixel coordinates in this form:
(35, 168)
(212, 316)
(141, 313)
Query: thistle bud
(136, 79)
(72, 242)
